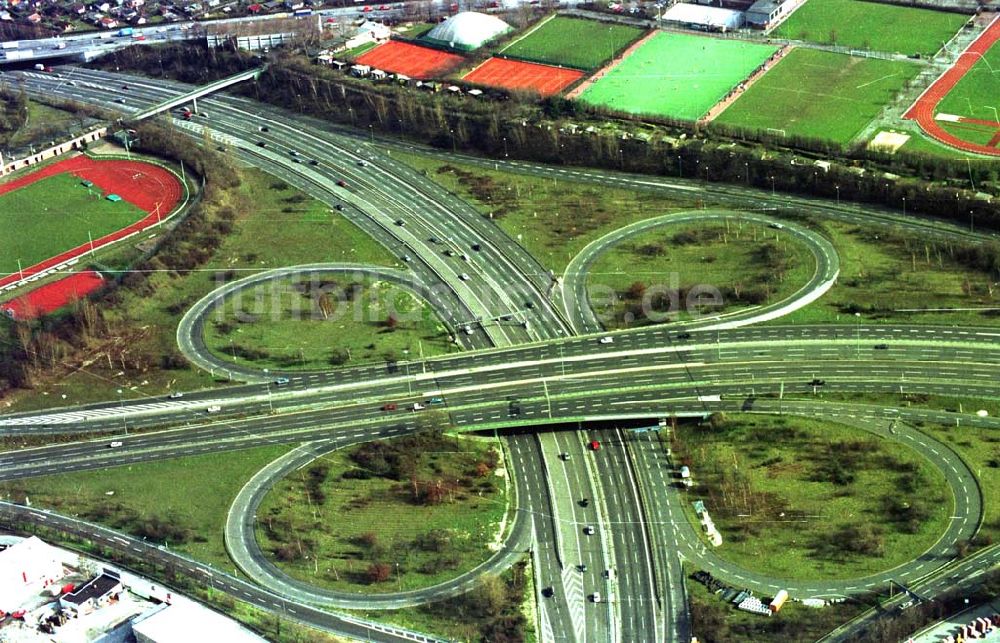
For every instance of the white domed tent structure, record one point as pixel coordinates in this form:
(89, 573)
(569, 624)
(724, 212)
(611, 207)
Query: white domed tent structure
(466, 31)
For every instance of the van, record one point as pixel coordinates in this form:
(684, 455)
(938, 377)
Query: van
(609, 573)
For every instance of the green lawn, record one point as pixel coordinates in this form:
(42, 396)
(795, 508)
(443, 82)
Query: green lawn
(749, 264)
(920, 144)
(803, 498)
(977, 94)
(276, 226)
(281, 325)
(819, 94)
(427, 507)
(872, 25)
(677, 75)
(573, 42)
(884, 272)
(191, 495)
(44, 124)
(55, 214)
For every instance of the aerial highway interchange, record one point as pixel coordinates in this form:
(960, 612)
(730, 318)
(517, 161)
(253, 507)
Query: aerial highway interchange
(535, 354)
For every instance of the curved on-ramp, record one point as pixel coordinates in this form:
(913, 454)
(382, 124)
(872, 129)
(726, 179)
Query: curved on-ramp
(576, 301)
(242, 546)
(191, 329)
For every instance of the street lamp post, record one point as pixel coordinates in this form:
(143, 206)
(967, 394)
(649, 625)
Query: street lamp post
(505, 155)
(772, 187)
(904, 206)
(121, 401)
(857, 317)
(837, 187)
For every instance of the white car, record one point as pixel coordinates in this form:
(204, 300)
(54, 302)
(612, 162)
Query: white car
(607, 340)
(176, 395)
(596, 597)
(463, 277)
(215, 408)
(417, 406)
(115, 444)
(589, 530)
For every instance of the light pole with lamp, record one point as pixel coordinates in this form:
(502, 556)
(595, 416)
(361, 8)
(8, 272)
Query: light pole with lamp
(858, 319)
(121, 401)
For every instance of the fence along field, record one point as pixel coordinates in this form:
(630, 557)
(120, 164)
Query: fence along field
(677, 75)
(573, 42)
(872, 25)
(819, 94)
(517, 75)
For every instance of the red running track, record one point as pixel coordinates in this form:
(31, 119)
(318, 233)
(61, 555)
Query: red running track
(142, 184)
(514, 74)
(923, 110)
(53, 296)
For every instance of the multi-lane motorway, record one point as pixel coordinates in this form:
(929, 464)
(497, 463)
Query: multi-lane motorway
(486, 287)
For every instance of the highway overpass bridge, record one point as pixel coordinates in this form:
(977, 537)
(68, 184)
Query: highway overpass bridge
(193, 95)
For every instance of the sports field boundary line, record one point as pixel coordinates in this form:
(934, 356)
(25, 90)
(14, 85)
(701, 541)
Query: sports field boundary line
(527, 33)
(614, 62)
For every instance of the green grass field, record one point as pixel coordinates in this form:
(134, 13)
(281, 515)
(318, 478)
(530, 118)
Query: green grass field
(885, 274)
(677, 75)
(281, 326)
(787, 494)
(53, 215)
(726, 256)
(191, 493)
(920, 144)
(872, 25)
(573, 42)
(330, 532)
(977, 94)
(819, 94)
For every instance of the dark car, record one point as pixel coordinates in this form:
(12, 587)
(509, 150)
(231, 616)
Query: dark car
(585, 502)
(263, 128)
(548, 592)
(313, 162)
(400, 222)
(817, 382)
(339, 207)
(881, 347)
(477, 247)
(261, 144)
(683, 335)
(342, 183)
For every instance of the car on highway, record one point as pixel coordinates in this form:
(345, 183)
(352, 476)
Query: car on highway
(400, 222)
(477, 247)
(436, 400)
(595, 445)
(434, 240)
(589, 530)
(607, 339)
(125, 87)
(389, 406)
(549, 592)
(468, 329)
(417, 406)
(609, 573)
(564, 456)
(342, 183)
(683, 335)
(293, 152)
(263, 128)
(582, 567)
(817, 382)
(362, 163)
(261, 144)
(881, 347)
(281, 381)
(463, 276)
(406, 258)
(120, 100)
(215, 408)
(465, 257)
(175, 395)
(449, 253)
(313, 162)
(115, 444)
(529, 305)
(584, 502)
(339, 207)
(596, 597)
(776, 226)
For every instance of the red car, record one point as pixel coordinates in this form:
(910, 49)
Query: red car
(389, 407)
(342, 183)
(384, 7)
(595, 445)
(367, 9)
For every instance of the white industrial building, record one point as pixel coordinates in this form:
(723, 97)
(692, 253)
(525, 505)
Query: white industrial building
(27, 568)
(467, 31)
(696, 16)
(187, 623)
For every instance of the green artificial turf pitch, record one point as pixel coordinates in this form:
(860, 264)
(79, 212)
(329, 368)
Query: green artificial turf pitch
(677, 75)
